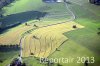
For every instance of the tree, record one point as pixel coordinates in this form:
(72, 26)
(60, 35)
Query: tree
(98, 28)
(97, 2)
(92, 1)
(59, 64)
(26, 24)
(1, 13)
(98, 33)
(74, 26)
(86, 63)
(35, 25)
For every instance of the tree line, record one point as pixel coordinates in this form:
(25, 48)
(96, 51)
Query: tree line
(97, 2)
(4, 3)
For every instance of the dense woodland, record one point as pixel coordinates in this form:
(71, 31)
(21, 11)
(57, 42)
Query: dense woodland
(97, 2)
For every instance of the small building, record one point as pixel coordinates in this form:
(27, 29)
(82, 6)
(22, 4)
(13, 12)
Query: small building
(60, 0)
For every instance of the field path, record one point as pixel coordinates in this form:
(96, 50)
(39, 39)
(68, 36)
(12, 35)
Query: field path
(43, 46)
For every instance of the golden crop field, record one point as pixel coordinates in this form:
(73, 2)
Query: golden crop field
(44, 41)
(13, 36)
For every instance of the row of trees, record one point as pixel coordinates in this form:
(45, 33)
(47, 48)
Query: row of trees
(9, 47)
(5, 2)
(97, 2)
(2, 4)
(98, 31)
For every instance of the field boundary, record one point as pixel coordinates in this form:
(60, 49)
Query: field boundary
(73, 18)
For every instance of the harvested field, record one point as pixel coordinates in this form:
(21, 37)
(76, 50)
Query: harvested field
(44, 41)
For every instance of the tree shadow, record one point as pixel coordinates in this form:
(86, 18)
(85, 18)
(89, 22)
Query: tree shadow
(9, 48)
(12, 20)
(49, 1)
(7, 51)
(23, 17)
(2, 30)
(7, 3)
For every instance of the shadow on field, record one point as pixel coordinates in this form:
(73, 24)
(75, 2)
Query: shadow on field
(16, 19)
(23, 17)
(2, 30)
(8, 51)
(8, 48)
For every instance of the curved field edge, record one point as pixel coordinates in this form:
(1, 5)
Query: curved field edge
(86, 21)
(50, 32)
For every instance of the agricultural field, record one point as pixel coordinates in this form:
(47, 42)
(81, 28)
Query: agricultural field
(43, 41)
(51, 30)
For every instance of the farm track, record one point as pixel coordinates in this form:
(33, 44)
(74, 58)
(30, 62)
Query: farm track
(71, 12)
(46, 54)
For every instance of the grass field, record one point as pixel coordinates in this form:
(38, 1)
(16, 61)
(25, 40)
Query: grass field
(21, 11)
(84, 42)
(24, 11)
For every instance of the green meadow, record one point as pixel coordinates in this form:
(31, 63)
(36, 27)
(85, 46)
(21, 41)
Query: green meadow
(83, 42)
